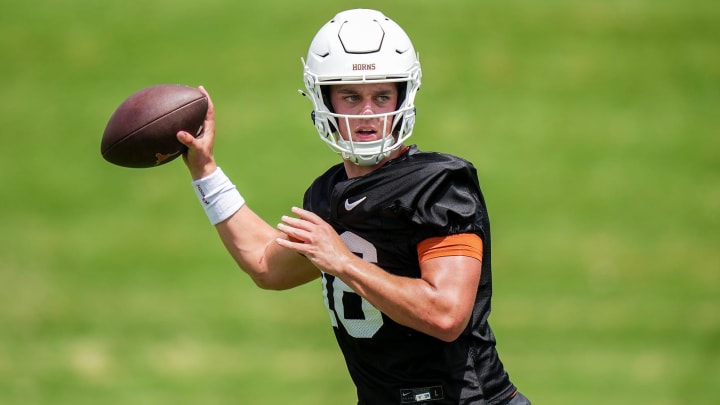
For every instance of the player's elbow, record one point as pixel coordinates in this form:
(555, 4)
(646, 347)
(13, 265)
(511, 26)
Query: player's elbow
(264, 285)
(269, 283)
(283, 280)
(450, 326)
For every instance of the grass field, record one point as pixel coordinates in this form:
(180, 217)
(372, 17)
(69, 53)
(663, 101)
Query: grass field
(593, 124)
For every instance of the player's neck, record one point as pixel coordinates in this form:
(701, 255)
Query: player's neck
(352, 170)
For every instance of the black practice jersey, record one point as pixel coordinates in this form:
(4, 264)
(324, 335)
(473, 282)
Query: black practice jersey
(382, 217)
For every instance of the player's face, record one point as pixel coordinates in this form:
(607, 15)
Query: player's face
(364, 99)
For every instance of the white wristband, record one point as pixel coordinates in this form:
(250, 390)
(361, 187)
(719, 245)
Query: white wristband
(218, 196)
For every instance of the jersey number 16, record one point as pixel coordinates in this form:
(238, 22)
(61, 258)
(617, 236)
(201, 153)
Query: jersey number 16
(357, 315)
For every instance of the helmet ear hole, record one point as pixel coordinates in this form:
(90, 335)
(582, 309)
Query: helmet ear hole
(325, 90)
(402, 92)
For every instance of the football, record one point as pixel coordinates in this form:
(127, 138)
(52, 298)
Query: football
(142, 130)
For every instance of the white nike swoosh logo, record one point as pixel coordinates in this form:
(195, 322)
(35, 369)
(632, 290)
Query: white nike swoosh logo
(349, 206)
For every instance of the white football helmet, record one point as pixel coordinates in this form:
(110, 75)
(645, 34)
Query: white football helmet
(362, 46)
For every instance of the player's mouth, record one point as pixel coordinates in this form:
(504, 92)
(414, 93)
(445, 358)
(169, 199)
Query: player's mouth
(366, 134)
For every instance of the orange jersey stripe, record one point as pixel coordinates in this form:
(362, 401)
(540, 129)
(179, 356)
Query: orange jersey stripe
(464, 244)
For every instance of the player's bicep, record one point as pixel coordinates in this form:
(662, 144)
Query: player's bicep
(451, 257)
(453, 266)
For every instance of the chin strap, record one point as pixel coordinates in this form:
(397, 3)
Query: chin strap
(367, 153)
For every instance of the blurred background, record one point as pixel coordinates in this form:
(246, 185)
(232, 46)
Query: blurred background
(593, 125)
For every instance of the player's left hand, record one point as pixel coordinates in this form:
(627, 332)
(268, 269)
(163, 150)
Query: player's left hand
(315, 239)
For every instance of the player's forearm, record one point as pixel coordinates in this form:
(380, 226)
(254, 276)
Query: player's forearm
(252, 244)
(412, 302)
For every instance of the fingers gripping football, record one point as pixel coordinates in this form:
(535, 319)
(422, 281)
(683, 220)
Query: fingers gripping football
(199, 156)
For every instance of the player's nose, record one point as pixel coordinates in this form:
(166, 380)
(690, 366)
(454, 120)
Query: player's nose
(367, 108)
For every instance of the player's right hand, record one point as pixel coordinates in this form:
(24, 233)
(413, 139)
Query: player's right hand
(199, 157)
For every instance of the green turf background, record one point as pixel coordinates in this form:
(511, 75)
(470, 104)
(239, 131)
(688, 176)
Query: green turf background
(593, 124)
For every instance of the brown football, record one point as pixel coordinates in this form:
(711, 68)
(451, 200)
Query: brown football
(142, 130)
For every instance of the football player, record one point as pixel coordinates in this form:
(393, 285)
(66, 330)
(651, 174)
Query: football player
(399, 238)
